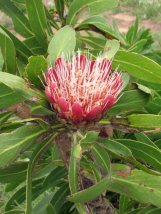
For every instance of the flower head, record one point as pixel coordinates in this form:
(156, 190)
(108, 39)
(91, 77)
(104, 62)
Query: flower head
(81, 89)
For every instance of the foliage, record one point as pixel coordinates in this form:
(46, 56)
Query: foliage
(114, 165)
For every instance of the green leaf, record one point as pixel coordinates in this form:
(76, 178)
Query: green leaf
(8, 52)
(144, 152)
(19, 195)
(15, 212)
(22, 50)
(20, 21)
(138, 46)
(111, 145)
(43, 204)
(16, 84)
(144, 138)
(36, 154)
(154, 211)
(102, 158)
(11, 144)
(50, 19)
(38, 22)
(15, 172)
(132, 100)
(126, 80)
(1, 60)
(50, 209)
(55, 176)
(35, 68)
(100, 23)
(145, 121)
(138, 66)
(131, 183)
(91, 167)
(94, 42)
(34, 46)
(123, 204)
(60, 8)
(93, 6)
(111, 48)
(59, 197)
(132, 32)
(5, 96)
(4, 116)
(37, 109)
(63, 42)
(116, 148)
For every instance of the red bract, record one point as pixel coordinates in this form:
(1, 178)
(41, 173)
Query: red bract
(80, 89)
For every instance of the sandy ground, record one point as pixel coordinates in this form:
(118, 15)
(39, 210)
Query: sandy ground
(124, 21)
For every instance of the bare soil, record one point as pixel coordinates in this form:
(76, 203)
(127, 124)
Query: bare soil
(124, 21)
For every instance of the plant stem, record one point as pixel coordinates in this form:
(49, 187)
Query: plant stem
(74, 170)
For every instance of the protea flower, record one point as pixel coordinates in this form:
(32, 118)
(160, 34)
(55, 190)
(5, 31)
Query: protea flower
(81, 89)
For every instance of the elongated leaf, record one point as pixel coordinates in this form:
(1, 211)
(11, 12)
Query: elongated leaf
(102, 158)
(4, 116)
(55, 176)
(154, 211)
(1, 60)
(94, 7)
(36, 67)
(21, 49)
(15, 212)
(60, 8)
(138, 46)
(100, 23)
(20, 21)
(138, 66)
(111, 145)
(16, 172)
(50, 209)
(8, 52)
(144, 152)
(11, 144)
(43, 203)
(50, 19)
(123, 204)
(144, 138)
(132, 100)
(63, 42)
(37, 152)
(16, 84)
(132, 184)
(37, 19)
(5, 96)
(34, 46)
(91, 167)
(94, 42)
(20, 195)
(116, 148)
(145, 210)
(145, 121)
(59, 198)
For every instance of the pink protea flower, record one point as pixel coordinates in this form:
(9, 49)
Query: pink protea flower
(80, 89)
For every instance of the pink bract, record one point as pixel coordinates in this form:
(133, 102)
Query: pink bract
(80, 89)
